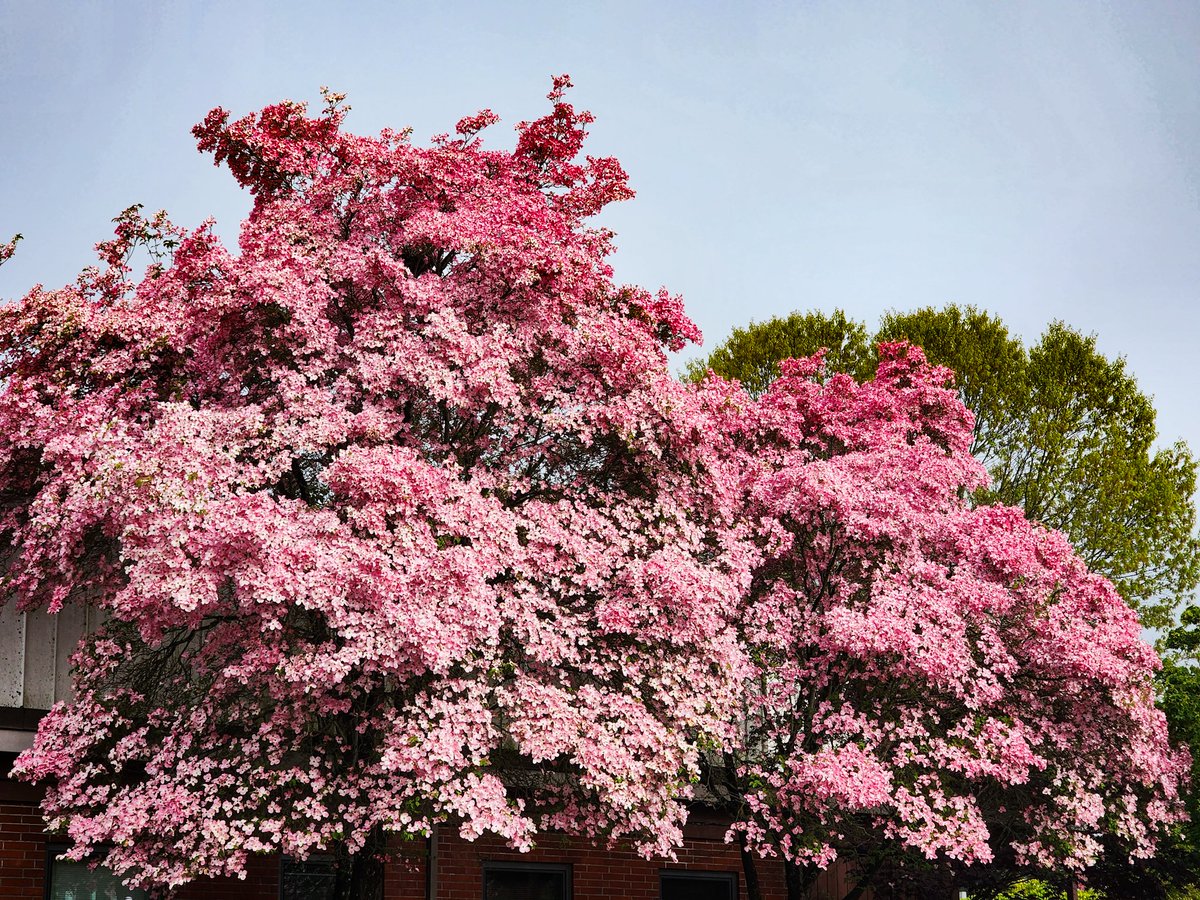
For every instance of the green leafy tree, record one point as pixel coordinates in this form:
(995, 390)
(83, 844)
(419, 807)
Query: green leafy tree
(1034, 889)
(1063, 430)
(990, 367)
(1178, 863)
(752, 354)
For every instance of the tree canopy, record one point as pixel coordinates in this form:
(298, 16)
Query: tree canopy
(1177, 865)
(752, 354)
(1063, 431)
(398, 514)
(930, 678)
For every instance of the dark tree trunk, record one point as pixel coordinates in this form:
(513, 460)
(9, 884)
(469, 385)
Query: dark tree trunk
(799, 880)
(858, 890)
(360, 875)
(737, 792)
(864, 880)
(750, 871)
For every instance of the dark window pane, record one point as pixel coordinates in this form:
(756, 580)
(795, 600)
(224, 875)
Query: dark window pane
(524, 884)
(75, 881)
(698, 886)
(306, 880)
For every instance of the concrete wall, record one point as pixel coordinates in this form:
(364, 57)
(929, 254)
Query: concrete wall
(35, 652)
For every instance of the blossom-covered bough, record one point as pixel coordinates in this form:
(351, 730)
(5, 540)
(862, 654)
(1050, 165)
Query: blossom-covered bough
(931, 680)
(397, 515)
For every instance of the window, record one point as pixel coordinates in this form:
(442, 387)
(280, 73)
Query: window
(522, 881)
(681, 885)
(306, 879)
(68, 880)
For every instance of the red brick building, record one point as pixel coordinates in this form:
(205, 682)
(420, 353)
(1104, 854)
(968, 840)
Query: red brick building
(34, 669)
(443, 868)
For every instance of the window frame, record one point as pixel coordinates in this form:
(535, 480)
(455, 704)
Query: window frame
(55, 849)
(564, 869)
(284, 859)
(730, 878)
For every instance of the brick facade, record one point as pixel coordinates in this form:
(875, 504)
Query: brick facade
(22, 852)
(596, 873)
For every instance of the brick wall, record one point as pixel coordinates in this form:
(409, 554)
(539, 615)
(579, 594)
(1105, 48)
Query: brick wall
(597, 873)
(23, 854)
(406, 877)
(602, 874)
(22, 851)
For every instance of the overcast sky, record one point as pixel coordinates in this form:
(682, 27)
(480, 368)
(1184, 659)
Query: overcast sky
(1040, 160)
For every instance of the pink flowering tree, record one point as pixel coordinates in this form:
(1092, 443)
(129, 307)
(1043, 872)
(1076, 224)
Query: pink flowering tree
(397, 515)
(7, 250)
(929, 680)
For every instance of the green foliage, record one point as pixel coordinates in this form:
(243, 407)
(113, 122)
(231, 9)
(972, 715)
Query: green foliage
(989, 364)
(752, 354)
(1067, 435)
(1033, 889)
(1077, 455)
(1179, 698)
(1064, 432)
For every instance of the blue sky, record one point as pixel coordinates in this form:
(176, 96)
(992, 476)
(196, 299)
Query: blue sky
(1040, 160)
